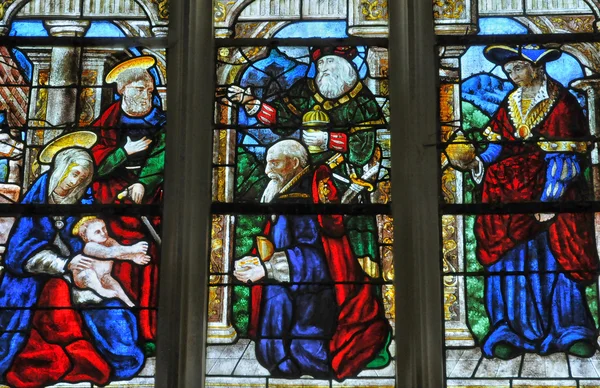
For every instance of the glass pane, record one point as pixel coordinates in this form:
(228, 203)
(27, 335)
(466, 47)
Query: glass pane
(525, 309)
(298, 129)
(319, 19)
(346, 267)
(89, 18)
(70, 283)
(518, 150)
(82, 129)
(485, 117)
(347, 131)
(507, 17)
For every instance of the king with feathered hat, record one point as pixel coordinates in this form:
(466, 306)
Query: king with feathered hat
(537, 265)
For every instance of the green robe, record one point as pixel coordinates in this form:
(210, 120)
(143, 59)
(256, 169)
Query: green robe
(354, 113)
(357, 114)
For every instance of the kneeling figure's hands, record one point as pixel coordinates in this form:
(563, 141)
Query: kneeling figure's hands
(248, 269)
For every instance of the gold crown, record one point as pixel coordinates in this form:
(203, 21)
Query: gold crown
(315, 118)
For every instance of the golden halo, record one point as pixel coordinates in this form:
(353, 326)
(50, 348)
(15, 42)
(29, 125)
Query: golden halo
(81, 139)
(144, 62)
(82, 221)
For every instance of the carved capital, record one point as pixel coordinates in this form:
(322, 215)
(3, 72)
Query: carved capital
(71, 28)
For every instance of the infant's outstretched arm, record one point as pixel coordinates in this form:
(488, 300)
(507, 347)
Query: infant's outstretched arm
(110, 249)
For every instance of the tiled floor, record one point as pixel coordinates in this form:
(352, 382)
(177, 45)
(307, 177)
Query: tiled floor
(224, 363)
(529, 370)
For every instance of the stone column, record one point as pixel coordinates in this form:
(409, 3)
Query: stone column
(64, 74)
(220, 330)
(160, 31)
(455, 17)
(40, 59)
(591, 87)
(453, 247)
(369, 19)
(90, 98)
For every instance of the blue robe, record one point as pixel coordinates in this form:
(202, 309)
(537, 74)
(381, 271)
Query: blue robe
(297, 320)
(113, 330)
(532, 305)
(543, 311)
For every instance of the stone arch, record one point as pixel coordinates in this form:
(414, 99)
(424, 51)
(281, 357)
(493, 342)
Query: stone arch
(230, 14)
(594, 6)
(155, 10)
(587, 54)
(8, 10)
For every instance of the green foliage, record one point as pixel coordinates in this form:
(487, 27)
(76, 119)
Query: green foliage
(587, 175)
(471, 245)
(149, 349)
(474, 122)
(473, 119)
(251, 179)
(591, 294)
(477, 316)
(241, 309)
(247, 228)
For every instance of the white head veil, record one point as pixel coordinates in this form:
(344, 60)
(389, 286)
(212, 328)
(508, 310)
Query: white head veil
(64, 161)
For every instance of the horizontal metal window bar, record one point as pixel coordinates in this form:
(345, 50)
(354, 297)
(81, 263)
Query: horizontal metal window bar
(47, 210)
(520, 208)
(300, 42)
(509, 39)
(61, 41)
(245, 208)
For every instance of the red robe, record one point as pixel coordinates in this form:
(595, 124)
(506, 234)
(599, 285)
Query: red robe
(362, 328)
(519, 175)
(139, 282)
(58, 348)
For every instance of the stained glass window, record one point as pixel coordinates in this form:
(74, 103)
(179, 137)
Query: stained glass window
(301, 287)
(82, 126)
(519, 190)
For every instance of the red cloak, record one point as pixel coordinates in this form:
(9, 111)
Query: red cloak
(520, 175)
(362, 328)
(139, 282)
(58, 348)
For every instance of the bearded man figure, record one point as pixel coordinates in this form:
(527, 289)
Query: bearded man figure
(296, 328)
(349, 131)
(130, 159)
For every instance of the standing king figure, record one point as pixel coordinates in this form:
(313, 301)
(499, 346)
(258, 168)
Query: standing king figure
(536, 265)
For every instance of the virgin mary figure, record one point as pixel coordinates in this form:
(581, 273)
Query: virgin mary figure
(50, 330)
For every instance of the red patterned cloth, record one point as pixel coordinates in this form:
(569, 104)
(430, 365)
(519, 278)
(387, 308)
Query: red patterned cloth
(519, 176)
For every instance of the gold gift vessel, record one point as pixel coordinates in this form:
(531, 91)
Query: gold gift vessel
(460, 150)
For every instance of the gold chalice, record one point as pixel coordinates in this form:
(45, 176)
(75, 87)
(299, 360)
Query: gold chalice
(314, 121)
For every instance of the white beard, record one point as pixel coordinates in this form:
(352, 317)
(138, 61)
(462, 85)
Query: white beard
(273, 188)
(331, 85)
(136, 106)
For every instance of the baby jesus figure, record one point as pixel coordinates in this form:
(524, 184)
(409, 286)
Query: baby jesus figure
(102, 249)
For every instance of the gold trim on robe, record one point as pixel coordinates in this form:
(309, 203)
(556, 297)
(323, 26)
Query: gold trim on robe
(538, 110)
